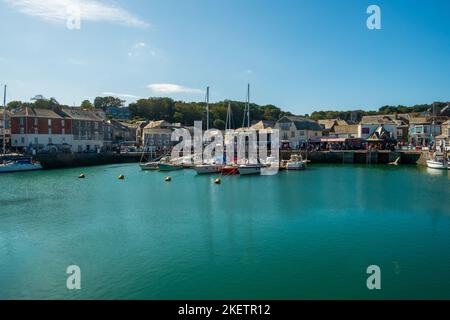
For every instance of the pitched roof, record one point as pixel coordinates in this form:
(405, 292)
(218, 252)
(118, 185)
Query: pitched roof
(261, 125)
(302, 123)
(379, 119)
(38, 113)
(157, 124)
(380, 134)
(420, 120)
(80, 114)
(346, 129)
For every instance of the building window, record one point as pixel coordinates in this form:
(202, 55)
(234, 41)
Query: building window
(63, 123)
(49, 122)
(292, 134)
(22, 121)
(301, 133)
(35, 121)
(22, 130)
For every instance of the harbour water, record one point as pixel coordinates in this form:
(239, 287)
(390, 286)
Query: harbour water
(296, 235)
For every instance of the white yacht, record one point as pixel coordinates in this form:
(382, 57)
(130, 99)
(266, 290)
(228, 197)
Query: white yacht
(439, 160)
(23, 164)
(296, 162)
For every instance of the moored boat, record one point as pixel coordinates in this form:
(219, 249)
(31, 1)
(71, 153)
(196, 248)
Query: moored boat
(250, 169)
(230, 170)
(295, 163)
(439, 161)
(23, 164)
(208, 168)
(438, 164)
(169, 166)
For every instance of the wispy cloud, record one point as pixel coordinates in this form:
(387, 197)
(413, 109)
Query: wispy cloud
(169, 88)
(120, 95)
(139, 49)
(76, 62)
(90, 10)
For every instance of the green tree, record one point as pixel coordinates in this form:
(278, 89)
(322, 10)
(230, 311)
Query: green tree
(106, 102)
(219, 124)
(87, 105)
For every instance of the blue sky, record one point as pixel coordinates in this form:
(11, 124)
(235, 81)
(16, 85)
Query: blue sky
(299, 55)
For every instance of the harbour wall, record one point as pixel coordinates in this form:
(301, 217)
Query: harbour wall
(360, 156)
(71, 160)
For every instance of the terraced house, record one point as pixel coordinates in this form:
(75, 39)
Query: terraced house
(41, 130)
(88, 129)
(295, 131)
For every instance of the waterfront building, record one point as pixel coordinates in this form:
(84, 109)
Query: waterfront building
(122, 132)
(157, 135)
(329, 125)
(297, 131)
(370, 124)
(423, 130)
(5, 129)
(41, 130)
(348, 131)
(444, 137)
(88, 129)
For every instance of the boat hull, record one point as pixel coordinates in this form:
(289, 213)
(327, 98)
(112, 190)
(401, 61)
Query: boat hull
(19, 168)
(438, 165)
(249, 170)
(230, 170)
(149, 166)
(208, 169)
(169, 167)
(296, 165)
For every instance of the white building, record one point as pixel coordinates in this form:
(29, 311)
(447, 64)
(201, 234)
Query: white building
(296, 131)
(369, 124)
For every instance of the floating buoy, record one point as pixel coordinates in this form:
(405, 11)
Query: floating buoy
(121, 177)
(81, 176)
(168, 179)
(218, 181)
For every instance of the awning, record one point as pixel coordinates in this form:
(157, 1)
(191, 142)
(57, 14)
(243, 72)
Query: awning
(333, 139)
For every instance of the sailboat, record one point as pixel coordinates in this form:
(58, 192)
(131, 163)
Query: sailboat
(18, 165)
(249, 168)
(210, 167)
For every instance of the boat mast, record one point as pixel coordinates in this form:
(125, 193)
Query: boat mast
(247, 109)
(4, 121)
(207, 108)
(228, 119)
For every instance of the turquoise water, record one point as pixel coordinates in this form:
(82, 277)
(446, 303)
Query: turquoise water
(296, 235)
